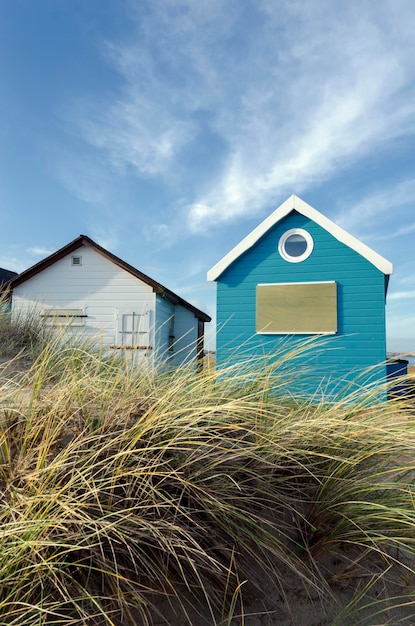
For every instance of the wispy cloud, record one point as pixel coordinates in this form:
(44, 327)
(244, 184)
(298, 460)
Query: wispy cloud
(39, 251)
(106, 237)
(336, 92)
(379, 208)
(402, 295)
(294, 91)
(11, 263)
(138, 133)
(407, 278)
(404, 230)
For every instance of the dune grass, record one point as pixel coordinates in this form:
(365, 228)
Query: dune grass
(129, 494)
(22, 332)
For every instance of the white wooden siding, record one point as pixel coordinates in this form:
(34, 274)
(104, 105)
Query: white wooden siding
(97, 286)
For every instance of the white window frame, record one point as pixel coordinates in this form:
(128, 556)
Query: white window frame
(289, 233)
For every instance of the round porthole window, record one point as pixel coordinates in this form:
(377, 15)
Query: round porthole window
(295, 245)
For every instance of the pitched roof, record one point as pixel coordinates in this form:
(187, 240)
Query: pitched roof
(293, 203)
(6, 275)
(83, 240)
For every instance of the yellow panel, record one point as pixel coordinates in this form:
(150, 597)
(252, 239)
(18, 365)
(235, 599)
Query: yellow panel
(297, 308)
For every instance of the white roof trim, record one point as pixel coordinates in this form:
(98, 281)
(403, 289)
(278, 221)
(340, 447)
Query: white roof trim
(295, 203)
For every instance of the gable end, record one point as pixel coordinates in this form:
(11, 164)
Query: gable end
(293, 203)
(83, 240)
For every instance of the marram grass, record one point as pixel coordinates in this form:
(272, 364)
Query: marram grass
(124, 491)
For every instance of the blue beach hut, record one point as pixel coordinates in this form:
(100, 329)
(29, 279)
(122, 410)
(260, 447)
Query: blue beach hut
(298, 275)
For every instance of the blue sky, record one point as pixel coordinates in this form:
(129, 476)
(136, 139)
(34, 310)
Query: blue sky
(166, 130)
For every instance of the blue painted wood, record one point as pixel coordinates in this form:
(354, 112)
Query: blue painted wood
(397, 375)
(183, 342)
(334, 361)
(164, 312)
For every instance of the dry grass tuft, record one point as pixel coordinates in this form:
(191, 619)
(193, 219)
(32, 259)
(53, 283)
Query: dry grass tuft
(122, 487)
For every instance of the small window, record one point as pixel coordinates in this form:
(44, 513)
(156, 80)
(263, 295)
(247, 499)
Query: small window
(76, 260)
(295, 245)
(64, 317)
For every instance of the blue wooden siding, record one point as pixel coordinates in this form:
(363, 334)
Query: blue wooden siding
(185, 330)
(334, 360)
(164, 314)
(184, 342)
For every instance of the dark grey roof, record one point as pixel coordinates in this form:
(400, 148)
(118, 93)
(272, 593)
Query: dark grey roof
(6, 275)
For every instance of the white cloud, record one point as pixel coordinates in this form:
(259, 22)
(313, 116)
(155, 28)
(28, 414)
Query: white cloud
(400, 232)
(337, 91)
(160, 233)
(381, 206)
(106, 237)
(137, 133)
(11, 263)
(402, 295)
(294, 90)
(408, 279)
(39, 251)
